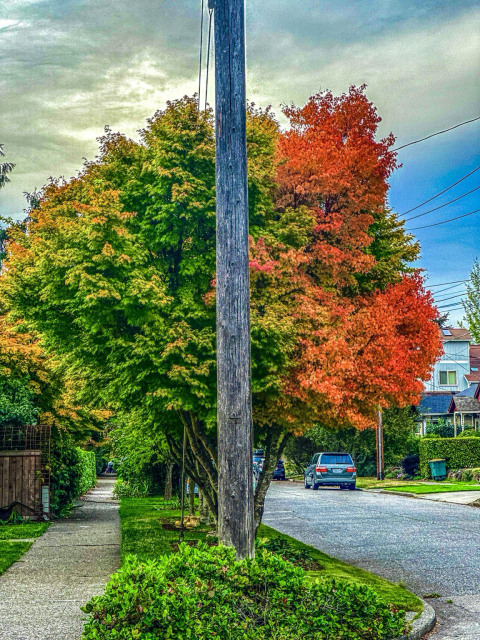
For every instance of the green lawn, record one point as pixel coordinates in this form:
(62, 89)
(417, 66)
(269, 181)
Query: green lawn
(142, 535)
(23, 530)
(10, 552)
(436, 488)
(372, 483)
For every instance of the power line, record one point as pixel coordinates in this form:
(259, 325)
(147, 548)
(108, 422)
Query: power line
(442, 284)
(200, 55)
(419, 215)
(445, 306)
(210, 13)
(454, 286)
(436, 134)
(440, 193)
(444, 221)
(451, 297)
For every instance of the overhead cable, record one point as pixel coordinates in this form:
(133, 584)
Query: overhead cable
(436, 134)
(200, 55)
(419, 215)
(442, 284)
(453, 286)
(210, 14)
(440, 193)
(451, 297)
(444, 221)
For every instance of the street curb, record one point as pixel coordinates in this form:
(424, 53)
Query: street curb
(423, 624)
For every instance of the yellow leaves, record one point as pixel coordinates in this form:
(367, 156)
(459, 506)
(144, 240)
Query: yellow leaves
(108, 250)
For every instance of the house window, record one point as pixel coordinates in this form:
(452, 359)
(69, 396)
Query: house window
(448, 378)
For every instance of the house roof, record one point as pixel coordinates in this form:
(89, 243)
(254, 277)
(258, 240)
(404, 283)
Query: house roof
(467, 393)
(447, 334)
(435, 403)
(465, 404)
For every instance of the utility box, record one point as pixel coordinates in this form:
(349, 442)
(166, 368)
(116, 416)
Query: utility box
(438, 469)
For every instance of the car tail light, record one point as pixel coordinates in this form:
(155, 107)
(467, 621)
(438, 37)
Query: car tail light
(321, 469)
(350, 469)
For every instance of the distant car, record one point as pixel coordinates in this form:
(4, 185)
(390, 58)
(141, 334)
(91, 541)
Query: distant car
(279, 473)
(258, 460)
(331, 470)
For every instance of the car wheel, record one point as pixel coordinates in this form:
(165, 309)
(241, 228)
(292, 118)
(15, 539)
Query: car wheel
(315, 486)
(306, 485)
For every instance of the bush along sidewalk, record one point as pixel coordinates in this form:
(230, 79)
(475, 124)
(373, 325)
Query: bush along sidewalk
(203, 593)
(459, 453)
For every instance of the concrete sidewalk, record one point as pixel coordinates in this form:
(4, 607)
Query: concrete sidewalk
(454, 497)
(41, 595)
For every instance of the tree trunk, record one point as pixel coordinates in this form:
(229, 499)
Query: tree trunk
(191, 496)
(168, 482)
(234, 406)
(274, 446)
(203, 509)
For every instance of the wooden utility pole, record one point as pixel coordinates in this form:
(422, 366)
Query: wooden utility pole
(379, 432)
(234, 412)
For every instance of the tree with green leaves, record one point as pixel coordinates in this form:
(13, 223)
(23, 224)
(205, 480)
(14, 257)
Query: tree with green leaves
(5, 169)
(472, 303)
(116, 274)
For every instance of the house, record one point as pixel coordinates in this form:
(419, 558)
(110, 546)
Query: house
(473, 377)
(433, 406)
(452, 368)
(465, 408)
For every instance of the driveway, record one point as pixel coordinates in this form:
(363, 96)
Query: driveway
(432, 547)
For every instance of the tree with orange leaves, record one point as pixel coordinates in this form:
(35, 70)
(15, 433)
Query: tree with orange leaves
(117, 273)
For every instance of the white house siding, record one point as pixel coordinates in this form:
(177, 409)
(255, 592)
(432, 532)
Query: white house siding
(454, 358)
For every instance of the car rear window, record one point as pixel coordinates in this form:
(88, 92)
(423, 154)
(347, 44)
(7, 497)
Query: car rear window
(336, 458)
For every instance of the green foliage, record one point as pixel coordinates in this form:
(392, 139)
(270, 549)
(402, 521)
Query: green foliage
(123, 489)
(459, 453)
(88, 474)
(469, 433)
(441, 428)
(399, 441)
(204, 593)
(299, 556)
(472, 303)
(17, 402)
(73, 473)
(140, 459)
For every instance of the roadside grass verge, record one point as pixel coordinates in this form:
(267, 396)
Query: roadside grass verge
(143, 536)
(10, 552)
(436, 488)
(23, 530)
(373, 483)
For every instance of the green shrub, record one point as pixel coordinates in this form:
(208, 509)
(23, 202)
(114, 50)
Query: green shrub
(88, 474)
(202, 593)
(459, 453)
(123, 489)
(73, 473)
(469, 433)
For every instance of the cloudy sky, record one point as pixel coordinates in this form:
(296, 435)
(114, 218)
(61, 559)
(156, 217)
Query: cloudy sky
(69, 67)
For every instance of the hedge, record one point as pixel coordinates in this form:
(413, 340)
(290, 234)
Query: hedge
(88, 472)
(459, 453)
(73, 473)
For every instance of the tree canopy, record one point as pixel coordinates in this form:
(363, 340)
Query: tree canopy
(116, 276)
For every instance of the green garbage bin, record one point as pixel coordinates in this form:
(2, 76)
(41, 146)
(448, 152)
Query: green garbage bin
(438, 469)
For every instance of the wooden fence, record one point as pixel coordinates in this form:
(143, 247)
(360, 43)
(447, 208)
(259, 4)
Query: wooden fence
(21, 480)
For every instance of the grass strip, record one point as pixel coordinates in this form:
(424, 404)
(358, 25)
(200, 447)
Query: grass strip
(436, 488)
(23, 530)
(10, 552)
(142, 535)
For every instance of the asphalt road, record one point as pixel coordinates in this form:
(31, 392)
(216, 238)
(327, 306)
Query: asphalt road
(432, 547)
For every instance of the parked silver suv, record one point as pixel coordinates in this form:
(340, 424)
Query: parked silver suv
(331, 469)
